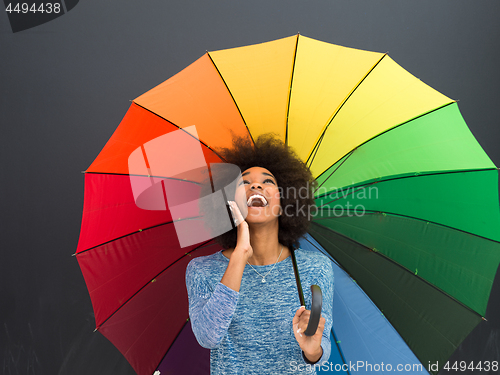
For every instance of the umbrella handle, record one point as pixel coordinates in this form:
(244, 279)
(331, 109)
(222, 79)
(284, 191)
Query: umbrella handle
(316, 305)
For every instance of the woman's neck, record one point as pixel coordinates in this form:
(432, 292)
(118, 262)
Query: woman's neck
(265, 245)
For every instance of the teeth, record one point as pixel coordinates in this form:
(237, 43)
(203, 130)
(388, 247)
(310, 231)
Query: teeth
(256, 196)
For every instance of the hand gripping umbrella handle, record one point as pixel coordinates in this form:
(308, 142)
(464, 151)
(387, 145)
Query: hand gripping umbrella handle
(316, 304)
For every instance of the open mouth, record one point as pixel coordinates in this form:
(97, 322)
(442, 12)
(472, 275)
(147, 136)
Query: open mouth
(256, 200)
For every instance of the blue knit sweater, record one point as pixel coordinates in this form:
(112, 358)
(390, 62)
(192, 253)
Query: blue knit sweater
(250, 331)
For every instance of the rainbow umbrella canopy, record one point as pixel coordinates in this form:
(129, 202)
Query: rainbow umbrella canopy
(406, 204)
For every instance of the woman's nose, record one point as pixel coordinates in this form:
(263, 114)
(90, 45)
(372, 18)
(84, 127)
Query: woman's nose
(255, 185)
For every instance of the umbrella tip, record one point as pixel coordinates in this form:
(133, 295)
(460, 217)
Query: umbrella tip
(96, 328)
(73, 255)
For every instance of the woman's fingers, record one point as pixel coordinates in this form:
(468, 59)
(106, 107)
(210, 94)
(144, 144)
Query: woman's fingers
(321, 326)
(237, 216)
(300, 320)
(243, 241)
(298, 313)
(297, 327)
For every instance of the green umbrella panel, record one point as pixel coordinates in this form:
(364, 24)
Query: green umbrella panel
(413, 216)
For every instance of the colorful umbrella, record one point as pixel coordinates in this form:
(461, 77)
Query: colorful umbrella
(406, 205)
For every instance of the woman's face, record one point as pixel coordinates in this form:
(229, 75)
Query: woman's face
(261, 195)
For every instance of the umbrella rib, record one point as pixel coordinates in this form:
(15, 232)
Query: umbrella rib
(143, 175)
(364, 184)
(315, 150)
(322, 250)
(340, 351)
(370, 212)
(232, 97)
(177, 126)
(206, 243)
(399, 265)
(290, 88)
(343, 161)
(318, 144)
(385, 131)
(132, 233)
(326, 253)
(349, 192)
(173, 342)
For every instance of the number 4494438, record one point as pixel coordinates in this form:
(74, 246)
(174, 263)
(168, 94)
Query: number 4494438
(478, 366)
(33, 8)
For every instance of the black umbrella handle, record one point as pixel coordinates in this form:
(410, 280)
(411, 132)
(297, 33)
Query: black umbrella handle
(316, 305)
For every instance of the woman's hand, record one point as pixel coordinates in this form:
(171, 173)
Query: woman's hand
(310, 345)
(243, 246)
(241, 253)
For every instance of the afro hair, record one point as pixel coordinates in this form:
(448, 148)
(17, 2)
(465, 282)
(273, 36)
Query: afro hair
(295, 182)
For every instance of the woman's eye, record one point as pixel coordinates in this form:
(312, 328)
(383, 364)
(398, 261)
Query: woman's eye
(267, 180)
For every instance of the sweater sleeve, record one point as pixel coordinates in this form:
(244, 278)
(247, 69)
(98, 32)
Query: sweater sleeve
(210, 310)
(326, 283)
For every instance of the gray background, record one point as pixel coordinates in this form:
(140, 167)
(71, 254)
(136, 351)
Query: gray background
(65, 86)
